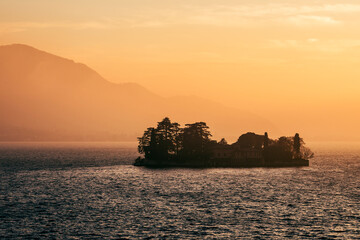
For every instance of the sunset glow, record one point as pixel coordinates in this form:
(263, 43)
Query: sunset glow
(294, 63)
(179, 119)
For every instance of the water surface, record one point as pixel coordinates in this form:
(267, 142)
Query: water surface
(90, 190)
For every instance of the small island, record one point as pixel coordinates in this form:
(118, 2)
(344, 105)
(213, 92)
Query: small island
(169, 145)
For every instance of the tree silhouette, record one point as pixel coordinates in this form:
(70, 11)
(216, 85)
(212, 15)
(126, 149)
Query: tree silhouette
(177, 139)
(165, 139)
(144, 143)
(297, 145)
(266, 140)
(223, 142)
(306, 153)
(169, 143)
(280, 150)
(196, 141)
(161, 143)
(250, 140)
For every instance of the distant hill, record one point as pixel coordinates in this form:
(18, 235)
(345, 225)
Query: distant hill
(45, 97)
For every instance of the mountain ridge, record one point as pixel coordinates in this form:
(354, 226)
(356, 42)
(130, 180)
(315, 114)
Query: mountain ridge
(46, 97)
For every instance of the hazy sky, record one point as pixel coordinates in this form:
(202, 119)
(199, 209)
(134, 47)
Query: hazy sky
(294, 62)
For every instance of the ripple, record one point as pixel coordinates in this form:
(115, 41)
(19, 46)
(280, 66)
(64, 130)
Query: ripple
(122, 201)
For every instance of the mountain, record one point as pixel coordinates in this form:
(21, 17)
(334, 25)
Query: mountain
(44, 97)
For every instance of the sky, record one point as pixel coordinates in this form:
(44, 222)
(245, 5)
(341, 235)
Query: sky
(296, 63)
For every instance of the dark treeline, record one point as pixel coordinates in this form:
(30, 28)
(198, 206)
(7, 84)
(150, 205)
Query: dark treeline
(286, 149)
(168, 142)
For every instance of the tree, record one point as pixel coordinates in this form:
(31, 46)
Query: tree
(306, 153)
(300, 151)
(170, 136)
(169, 142)
(161, 143)
(166, 147)
(250, 140)
(196, 141)
(266, 140)
(153, 148)
(280, 150)
(177, 138)
(287, 149)
(297, 145)
(223, 142)
(144, 143)
(266, 147)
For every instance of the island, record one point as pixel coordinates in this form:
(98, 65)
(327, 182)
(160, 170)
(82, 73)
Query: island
(169, 145)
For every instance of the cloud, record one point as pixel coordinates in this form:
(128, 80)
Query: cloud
(25, 26)
(304, 20)
(264, 10)
(221, 15)
(316, 45)
(274, 13)
(248, 15)
(312, 40)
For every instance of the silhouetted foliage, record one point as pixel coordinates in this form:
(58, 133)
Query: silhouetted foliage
(144, 143)
(177, 139)
(280, 150)
(287, 149)
(161, 143)
(196, 141)
(168, 142)
(250, 140)
(306, 153)
(266, 140)
(223, 142)
(297, 145)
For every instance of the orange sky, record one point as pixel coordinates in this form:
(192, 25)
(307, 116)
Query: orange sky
(296, 63)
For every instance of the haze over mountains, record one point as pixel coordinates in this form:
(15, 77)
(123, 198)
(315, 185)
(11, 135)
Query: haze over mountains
(44, 97)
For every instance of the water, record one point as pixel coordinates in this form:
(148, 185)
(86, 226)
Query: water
(90, 190)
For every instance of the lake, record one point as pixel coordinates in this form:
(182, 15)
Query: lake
(91, 190)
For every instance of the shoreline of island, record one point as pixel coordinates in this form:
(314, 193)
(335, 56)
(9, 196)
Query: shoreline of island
(142, 162)
(170, 146)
